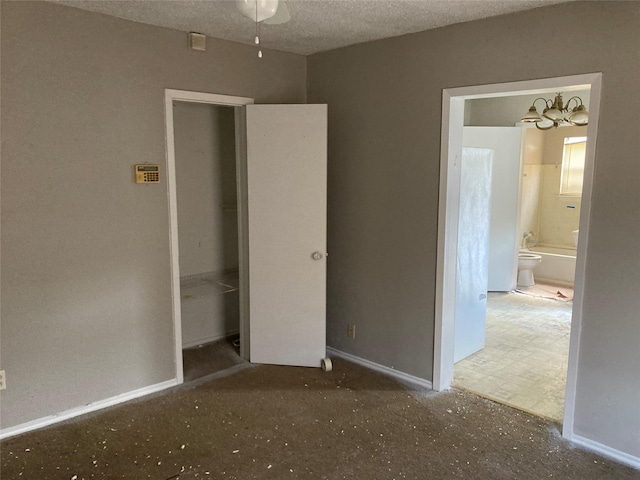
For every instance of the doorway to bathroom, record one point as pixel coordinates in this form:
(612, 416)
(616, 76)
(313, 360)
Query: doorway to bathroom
(449, 230)
(521, 356)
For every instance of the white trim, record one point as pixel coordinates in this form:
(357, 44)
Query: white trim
(571, 83)
(211, 339)
(606, 451)
(451, 146)
(203, 97)
(173, 235)
(195, 97)
(449, 200)
(398, 375)
(581, 257)
(91, 407)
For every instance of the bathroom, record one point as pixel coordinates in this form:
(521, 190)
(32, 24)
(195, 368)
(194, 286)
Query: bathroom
(522, 359)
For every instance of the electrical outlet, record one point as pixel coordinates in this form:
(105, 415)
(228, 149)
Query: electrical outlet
(351, 330)
(3, 380)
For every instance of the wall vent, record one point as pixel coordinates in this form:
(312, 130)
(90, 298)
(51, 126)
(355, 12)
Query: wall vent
(197, 41)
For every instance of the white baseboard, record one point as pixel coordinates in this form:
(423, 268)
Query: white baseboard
(74, 412)
(405, 377)
(205, 340)
(606, 451)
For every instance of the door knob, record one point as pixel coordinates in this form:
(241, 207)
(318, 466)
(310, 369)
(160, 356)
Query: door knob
(317, 256)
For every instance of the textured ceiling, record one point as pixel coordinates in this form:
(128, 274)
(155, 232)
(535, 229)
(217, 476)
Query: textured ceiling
(315, 25)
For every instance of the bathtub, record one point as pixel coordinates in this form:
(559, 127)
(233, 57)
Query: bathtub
(558, 265)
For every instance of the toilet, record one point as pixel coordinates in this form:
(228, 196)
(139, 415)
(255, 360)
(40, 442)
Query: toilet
(527, 261)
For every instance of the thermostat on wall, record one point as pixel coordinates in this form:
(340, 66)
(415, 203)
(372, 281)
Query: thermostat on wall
(147, 173)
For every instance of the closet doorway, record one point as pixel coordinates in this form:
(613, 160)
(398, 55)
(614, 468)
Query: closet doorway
(205, 162)
(280, 159)
(208, 266)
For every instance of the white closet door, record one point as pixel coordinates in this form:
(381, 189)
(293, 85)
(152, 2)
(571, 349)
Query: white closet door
(287, 205)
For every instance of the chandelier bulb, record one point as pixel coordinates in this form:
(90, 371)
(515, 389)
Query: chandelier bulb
(257, 40)
(259, 53)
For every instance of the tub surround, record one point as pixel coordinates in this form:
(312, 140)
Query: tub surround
(559, 215)
(548, 219)
(550, 216)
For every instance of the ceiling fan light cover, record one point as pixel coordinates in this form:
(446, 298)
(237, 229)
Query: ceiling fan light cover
(263, 8)
(281, 16)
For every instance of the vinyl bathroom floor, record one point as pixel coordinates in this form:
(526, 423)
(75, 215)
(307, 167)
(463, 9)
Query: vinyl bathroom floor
(524, 362)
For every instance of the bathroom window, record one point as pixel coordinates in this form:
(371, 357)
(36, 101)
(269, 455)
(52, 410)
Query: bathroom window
(573, 166)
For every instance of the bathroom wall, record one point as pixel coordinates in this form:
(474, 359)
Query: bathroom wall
(544, 212)
(531, 181)
(560, 215)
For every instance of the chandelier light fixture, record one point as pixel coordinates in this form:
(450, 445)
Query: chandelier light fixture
(556, 113)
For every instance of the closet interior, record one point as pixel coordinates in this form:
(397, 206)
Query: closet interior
(207, 235)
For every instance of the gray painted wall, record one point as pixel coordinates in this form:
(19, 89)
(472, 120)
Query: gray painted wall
(385, 111)
(86, 298)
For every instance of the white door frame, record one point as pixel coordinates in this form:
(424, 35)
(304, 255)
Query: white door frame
(223, 100)
(451, 150)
